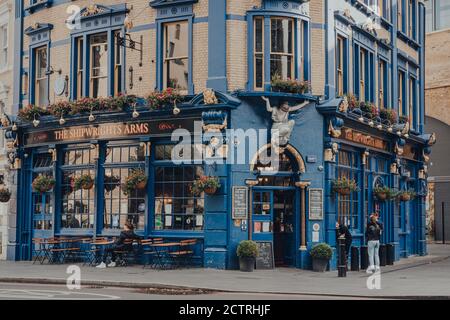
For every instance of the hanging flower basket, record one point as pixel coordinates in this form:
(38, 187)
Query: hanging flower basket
(159, 99)
(5, 194)
(383, 193)
(85, 182)
(344, 186)
(206, 184)
(43, 183)
(404, 196)
(111, 182)
(137, 180)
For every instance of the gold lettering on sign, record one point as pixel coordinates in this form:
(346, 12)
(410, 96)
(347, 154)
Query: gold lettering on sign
(364, 139)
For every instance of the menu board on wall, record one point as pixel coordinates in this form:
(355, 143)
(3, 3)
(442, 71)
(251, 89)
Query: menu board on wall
(315, 204)
(240, 202)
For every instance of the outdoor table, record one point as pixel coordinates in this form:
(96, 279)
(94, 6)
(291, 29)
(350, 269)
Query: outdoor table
(161, 248)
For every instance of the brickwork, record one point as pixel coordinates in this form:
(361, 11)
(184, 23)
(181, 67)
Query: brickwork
(437, 77)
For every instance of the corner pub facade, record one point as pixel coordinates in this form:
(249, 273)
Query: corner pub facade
(221, 56)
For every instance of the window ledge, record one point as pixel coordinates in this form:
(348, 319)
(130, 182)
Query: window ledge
(277, 96)
(39, 5)
(402, 36)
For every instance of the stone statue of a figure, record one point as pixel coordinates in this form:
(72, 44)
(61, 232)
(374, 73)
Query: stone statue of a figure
(281, 122)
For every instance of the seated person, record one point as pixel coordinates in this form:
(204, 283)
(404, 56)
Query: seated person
(120, 245)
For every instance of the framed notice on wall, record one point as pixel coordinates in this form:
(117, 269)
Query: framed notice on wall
(315, 204)
(240, 202)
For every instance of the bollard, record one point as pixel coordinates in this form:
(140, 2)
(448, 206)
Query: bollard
(364, 258)
(382, 255)
(342, 265)
(355, 259)
(390, 254)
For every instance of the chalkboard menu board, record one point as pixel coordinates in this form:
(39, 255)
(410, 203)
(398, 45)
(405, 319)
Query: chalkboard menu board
(240, 202)
(265, 258)
(315, 204)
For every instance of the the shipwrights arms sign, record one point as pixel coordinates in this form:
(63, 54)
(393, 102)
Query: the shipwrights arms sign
(110, 131)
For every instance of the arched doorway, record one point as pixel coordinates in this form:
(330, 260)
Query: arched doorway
(276, 201)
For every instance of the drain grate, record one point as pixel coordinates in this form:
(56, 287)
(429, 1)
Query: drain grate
(173, 291)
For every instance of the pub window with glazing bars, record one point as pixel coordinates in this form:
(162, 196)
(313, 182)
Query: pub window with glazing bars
(122, 206)
(78, 205)
(347, 205)
(176, 206)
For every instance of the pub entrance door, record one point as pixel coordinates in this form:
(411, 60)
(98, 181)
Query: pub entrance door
(275, 215)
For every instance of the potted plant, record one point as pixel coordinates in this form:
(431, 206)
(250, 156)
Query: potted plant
(247, 251)
(321, 254)
(352, 101)
(406, 195)
(5, 194)
(111, 182)
(388, 114)
(344, 186)
(43, 183)
(206, 184)
(85, 182)
(382, 193)
(137, 180)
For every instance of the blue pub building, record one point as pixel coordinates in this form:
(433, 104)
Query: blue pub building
(343, 81)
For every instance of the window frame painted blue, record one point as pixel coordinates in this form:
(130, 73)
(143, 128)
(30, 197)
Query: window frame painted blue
(153, 163)
(385, 81)
(32, 71)
(369, 70)
(345, 72)
(299, 40)
(86, 61)
(160, 21)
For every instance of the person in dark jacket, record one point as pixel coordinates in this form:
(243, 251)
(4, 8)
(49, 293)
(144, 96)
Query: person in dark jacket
(343, 231)
(123, 243)
(373, 234)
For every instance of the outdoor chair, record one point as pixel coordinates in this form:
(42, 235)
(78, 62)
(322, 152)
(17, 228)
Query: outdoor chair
(183, 256)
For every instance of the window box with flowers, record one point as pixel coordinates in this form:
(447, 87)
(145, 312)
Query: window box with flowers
(344, 186)
(289, 85)
(206, 184)
(160, 99)
(43, 183)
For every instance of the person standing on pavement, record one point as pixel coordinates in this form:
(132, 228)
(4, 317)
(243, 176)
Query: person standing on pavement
(343, 231)
(373, 234)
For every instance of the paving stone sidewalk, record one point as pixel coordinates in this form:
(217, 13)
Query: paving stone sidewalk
(426, 276)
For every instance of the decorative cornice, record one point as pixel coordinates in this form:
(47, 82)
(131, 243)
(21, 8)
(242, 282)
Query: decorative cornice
(167, 3)
(38, 27)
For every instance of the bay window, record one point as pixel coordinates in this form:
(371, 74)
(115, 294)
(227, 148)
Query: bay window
(176, 56)
(279, 48)
(258, 50)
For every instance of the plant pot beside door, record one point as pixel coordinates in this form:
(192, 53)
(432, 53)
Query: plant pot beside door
(247, 252)
(321, 255)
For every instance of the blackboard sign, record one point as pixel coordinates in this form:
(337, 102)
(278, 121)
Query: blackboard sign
(315, 204)
(265, 258)
(240, 202)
